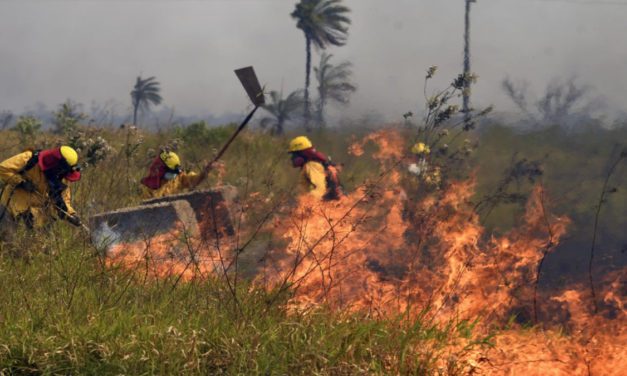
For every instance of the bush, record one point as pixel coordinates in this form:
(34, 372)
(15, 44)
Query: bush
(67, 118)
(199, 133)
(92, 147)
(27, 127)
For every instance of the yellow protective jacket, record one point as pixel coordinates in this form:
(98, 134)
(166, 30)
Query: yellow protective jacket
(182, 182)
(18, 201)
(314, 179)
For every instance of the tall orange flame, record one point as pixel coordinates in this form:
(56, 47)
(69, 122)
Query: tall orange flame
(382, 251)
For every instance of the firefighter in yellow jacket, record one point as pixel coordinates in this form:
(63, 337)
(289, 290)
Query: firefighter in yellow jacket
(165, 176)
(318, 176)
(36, 186)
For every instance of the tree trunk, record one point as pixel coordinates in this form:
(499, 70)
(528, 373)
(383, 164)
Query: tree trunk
(307, 74)
(279, 126)
(466, 93)
(320, 116)
(135, 106)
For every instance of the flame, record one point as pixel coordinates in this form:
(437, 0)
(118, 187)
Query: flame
(220, 169)
(390, 144)
(380, 252)
(328, 241)
(593, 345)
(383, 251)
(171, 254)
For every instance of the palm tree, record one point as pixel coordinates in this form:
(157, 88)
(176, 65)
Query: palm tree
(281, 110)
(145, 92)
(333, 84)
(324, 23)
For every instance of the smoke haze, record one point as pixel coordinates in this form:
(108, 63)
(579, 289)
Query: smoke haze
(93, 50)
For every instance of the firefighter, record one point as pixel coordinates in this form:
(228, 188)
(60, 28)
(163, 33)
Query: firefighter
(36, 187)
(429, 173)
(421, 151)
(319, 177)
(165, 176)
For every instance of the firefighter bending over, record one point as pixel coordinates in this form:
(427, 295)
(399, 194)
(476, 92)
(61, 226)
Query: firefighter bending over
(36, 187)
(319, 177)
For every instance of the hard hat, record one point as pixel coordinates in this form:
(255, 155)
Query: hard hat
(170, 159)
(420, 148)
(70, 155)
(299, 143)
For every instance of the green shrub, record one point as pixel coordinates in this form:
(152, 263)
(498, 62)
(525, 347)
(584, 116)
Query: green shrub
(27, 127)
(67, 118)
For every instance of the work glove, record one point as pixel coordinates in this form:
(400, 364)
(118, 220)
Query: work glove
(415, 169)
(75, 220)
(27, 185)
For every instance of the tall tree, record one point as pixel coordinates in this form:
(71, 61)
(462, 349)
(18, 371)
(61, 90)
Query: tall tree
(333, 84)
(466, 91)
(281, 110)
(324, 23)
(145, 92)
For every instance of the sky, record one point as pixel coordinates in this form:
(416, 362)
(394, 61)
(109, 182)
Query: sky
(92, 50)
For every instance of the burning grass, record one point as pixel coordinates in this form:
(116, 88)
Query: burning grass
(399, 277)
(386, 252)
(58, 318)
(380, 253)
(173, 254)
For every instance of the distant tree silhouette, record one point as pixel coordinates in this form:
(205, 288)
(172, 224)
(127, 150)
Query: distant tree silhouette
(333, 84)
(281, 110)
(324, 23)
(145, 92)
(5, 119)
(563, 102)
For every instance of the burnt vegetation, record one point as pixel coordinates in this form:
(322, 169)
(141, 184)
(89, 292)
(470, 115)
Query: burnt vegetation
(460, 233)
(255, 287)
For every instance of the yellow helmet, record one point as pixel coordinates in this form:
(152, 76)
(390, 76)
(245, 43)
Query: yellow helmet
(170, 159)
(70, 155)
(299, 143)
(420, 148)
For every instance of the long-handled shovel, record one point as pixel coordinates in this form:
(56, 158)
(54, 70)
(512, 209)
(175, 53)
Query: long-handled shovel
(249, 80)
(60, 209)
(81, 225)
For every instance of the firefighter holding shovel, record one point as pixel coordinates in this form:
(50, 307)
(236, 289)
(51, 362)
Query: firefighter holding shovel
(36, 188)
(165, 176)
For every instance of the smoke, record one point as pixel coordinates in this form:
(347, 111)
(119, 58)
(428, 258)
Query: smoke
(92, 51)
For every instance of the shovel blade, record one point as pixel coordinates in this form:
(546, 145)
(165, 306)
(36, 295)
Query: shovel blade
(201, 215)
(249, 80)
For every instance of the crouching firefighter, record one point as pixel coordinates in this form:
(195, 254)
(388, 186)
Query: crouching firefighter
(36, 187)
(165, 176)
(319, 176)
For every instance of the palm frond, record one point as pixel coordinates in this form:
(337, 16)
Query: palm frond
(333, 83)
(281, 110)
(145, 93)
(322, 21)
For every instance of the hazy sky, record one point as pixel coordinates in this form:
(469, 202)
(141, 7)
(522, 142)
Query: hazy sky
(93, 50)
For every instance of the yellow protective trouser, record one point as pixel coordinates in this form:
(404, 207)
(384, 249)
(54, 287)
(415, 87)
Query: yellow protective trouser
(314, 179)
